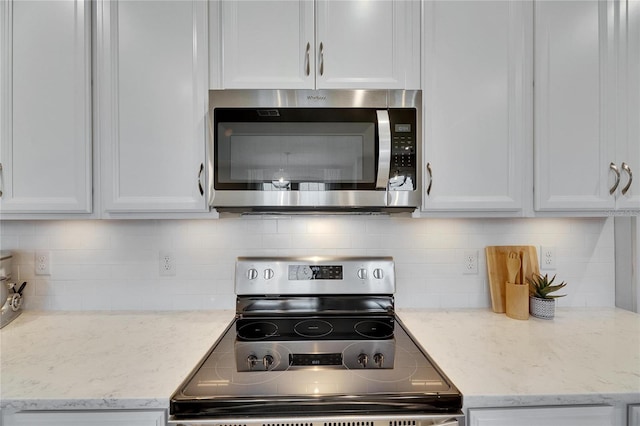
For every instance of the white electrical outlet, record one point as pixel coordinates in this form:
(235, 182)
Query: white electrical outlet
(548, 258)
(167, 264)
(42, 262)
(470, 262)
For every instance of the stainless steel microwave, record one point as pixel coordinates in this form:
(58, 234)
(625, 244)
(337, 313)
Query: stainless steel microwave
(315, 150)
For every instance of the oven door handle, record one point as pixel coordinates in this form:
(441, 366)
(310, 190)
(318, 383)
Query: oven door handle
(384, 149)
(453, 422)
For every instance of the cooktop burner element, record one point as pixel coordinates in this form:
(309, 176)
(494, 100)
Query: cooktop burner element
(315, 339)
(316, 328)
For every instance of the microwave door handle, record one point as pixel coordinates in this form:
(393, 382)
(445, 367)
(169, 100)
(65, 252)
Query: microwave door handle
(384, 154)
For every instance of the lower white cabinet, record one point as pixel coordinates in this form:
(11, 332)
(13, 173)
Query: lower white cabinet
(548, 416)
(86, 418)
(634, 415)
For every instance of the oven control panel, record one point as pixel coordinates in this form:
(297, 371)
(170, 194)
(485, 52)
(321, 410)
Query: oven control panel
(314, 275)
(285, 355)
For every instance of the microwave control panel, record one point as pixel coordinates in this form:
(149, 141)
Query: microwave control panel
(402, 174)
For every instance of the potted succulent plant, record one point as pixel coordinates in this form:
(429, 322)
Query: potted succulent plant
(542, 304)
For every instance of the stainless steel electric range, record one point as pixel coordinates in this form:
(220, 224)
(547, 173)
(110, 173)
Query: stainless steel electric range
(316, 342)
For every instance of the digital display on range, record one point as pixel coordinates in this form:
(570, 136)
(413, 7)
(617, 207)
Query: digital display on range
(315, 359)
(315, 272)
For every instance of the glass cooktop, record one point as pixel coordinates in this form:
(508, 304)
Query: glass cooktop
(328, 382)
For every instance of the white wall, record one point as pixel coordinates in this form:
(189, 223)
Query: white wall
(627, 248)
(114, 265)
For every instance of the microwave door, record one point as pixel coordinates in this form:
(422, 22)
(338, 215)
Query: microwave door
(384, 149)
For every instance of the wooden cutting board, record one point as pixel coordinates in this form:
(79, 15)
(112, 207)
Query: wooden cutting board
(497, 270)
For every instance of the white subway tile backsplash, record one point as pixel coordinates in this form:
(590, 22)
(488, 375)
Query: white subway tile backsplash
(114, 264)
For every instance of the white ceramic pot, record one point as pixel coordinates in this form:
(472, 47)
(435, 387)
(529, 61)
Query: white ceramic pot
(542, 308)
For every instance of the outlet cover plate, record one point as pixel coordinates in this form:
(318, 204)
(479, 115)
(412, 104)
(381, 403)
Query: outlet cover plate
(167, 264)
(42, 262)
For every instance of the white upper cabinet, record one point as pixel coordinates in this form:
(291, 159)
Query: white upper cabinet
(296, 44)
(45, 107)
(628, 145)
(267, 44)
(477, 84)
(586, 114)
(363, 44)
(151, 88)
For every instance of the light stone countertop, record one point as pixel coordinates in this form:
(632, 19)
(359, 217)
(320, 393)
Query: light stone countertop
(582, 356)
(102, 360)
(135, 360)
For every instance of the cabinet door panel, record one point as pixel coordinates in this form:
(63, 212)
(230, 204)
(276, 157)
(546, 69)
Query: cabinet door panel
(361, 44)
(634, 415)
(307, 44)
(628, 147)
(86, 418)
(548, 416)
(266, 44)
(477, 85)
(46, 107)
(574, 103)
(152, 83)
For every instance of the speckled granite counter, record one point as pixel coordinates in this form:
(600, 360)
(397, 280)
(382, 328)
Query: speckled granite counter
(135, 360)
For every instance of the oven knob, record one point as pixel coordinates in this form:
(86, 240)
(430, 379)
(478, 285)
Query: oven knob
(252, 274)
(378, 359)
(378, 273)
(15, 301)
(252, 360)
(267, 361)
(363, 359)
(268, 273)
(362, 274)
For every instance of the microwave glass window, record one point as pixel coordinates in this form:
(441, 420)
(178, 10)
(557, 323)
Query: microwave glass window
(296, 152)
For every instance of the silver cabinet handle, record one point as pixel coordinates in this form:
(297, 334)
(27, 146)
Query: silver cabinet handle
(430, 174)
(613, 167)
(321, 59)
(384, 147)
(200, 188)
(627, 169)
(1, 181)
(307, 64)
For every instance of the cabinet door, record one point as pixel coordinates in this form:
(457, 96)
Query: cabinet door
(634, 415)
(478, 85)
(267, 44)
(45, 107)
(86, 418)
(547, 416)
(575, 98)
(152, 92)
(363, 44)
(628, 145)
